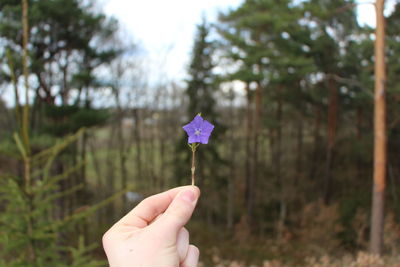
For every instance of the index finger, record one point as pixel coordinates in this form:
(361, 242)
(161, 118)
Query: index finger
(148, 209)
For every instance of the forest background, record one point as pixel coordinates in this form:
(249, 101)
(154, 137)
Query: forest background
(288, 175)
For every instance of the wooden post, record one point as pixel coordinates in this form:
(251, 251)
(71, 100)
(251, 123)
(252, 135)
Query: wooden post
(377, 217)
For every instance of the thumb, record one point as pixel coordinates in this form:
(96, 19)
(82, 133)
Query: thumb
(179, 212)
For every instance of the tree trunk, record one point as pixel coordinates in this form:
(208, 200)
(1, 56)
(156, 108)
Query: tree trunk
(317, 138)
(97, 167)
(138, 143)
(278, 170)
(377, 217)
(232, 170)
(82, 194)
(359, 123)
(110, 181)
(299, 156)
(332, 126)
(255, 167)
(122, 153)
(123, 147)
(151, 154)
(163, 165)
(249, 162)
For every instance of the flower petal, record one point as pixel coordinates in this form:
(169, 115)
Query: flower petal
(189, 129)
(204, 138)
(194, 139)
(207, 127)
(197, 122)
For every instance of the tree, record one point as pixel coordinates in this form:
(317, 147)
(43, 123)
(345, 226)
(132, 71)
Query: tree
(267, 46)
(30, 229)
(333, 23)
(68, 40)
(377, 216)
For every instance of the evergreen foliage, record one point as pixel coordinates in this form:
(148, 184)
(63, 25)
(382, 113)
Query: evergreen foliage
(34, 222)
(29, 225)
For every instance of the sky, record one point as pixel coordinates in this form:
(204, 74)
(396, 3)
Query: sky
(165, 28)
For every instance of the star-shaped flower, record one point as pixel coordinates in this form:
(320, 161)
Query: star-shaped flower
(198, 130)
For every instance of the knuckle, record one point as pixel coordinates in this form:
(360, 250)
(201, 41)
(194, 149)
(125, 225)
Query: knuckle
(195, 249)
(106, 237)
(185, 231)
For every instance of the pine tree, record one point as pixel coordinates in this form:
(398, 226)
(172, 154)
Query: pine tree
(69, 40)
(332, 23)
(32, 234)
(268, 48)
(201, 85)
(29, 227)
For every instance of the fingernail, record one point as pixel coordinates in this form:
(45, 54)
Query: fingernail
(188, 195)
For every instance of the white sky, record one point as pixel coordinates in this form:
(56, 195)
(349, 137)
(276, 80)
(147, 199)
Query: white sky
(165, 28)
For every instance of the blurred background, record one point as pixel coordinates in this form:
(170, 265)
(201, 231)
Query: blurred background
(94, 94)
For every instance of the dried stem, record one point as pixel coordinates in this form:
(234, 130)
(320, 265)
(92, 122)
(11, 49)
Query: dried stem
(193, 165)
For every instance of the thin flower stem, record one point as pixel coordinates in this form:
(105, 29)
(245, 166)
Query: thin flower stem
(193, 165)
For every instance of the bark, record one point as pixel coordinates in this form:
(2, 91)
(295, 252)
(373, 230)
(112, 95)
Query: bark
(97, 167)
(47, 97)
(25, 111)
(278, 170)
(151, 161)
(232, 170)
(162, 174)
(83, 157)
(138, 142)
(359, 124)
(332, 128)
(110, 173)
(82, 194)
(122, 159)
(249, 168)
(65, 89)
(231, 196)
(255, 152)
(377, 217)
(317, 139)
(299, 158)
(123, 148)
(31, 254)
(96, 163)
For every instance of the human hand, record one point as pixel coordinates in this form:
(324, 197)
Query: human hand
(153, 233)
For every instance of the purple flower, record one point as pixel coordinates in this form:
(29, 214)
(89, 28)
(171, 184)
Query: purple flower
(198, 130)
